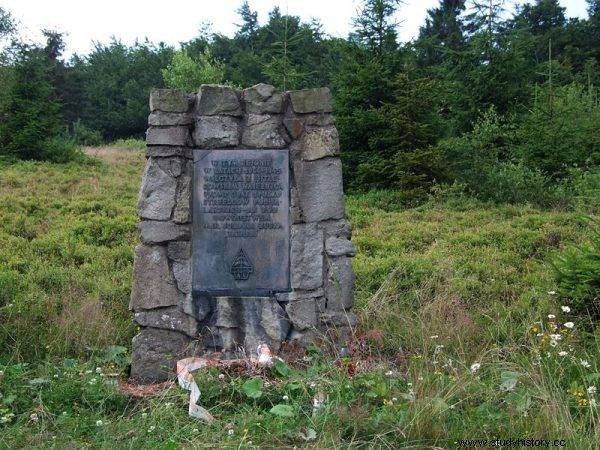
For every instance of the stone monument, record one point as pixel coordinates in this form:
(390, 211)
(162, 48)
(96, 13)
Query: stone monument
(243, 233)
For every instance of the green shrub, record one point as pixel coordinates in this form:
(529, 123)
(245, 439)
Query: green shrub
(577, 273)
(82, 135)
(129, 144)
(60, 149)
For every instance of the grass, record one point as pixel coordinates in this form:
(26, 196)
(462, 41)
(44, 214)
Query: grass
(440, 287)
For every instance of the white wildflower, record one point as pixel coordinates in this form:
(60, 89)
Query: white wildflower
(551, 316)
(195, 430)
(563, 353)
(285, 398)
(556, 337)
(475, 367)
(591, 390)
(151, 429)
(585, 363)
(98, 369)
(230, 432)
(565, 309)
(88, 372)
(34, 417)
(592, 402)
(569, 325)
(551, 292)
(389, 373)
(144, 415)
(435, 336)
(99, 423)
(553, 344)
(93, 381)
(221, 376)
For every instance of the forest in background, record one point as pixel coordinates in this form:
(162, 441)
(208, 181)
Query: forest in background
(502, 106)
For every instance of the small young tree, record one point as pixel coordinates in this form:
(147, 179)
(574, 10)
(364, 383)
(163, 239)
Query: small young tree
(188, 74)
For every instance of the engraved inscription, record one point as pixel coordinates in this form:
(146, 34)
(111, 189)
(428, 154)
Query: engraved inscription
(241, 221)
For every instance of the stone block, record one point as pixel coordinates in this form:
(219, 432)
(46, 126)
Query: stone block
(335, 246)
(302, 313)
(318, 119)
(299, 294)
(155, 353)
(179, 251)
(306, 256)
(263, 131)
(169, 100)
(217, 132)
(311, 100)
(182, 211)
(339, 285)
(154, 232)
(251, 321)
(157, 194)
(176, 136)
(317, 143)
(169, 119)
(153, 284)
(214, 99)
(165, 151)
(294, 126)
(340, 228)
(171, 318)
(172, 166)
(320, 190)
(183, 275)
(262, 99)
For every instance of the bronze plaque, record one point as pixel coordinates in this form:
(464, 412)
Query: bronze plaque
(241, 224)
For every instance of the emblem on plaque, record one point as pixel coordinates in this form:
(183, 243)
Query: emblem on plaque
(241, 268)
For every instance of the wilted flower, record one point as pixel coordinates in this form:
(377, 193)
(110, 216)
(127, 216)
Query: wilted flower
(591, 390)
(475, 367)
(569, 325)
(565, 309)
(585, 363)
(551, 316)
(99, 423)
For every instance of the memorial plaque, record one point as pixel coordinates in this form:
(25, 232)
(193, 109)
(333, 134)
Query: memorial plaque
(241, 225)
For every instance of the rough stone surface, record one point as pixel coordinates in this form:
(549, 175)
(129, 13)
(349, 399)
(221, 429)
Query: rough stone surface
(319, 143)
(299, 294)
(215, 99)
(165, 119)
(319, 119)
(183, 275)
(263, 131)
(335, 246)
(179, 251)
(339, 286)
(302, 313)
(171, 166)
(262, 99)
(306, 256)
(311, 100)
(249, 321)
(340, 228)
(216, 132)
(169, 100)
(152, 231)
(320, 191)
(182, 211)
(176, 136)
(171, 318)
(157, 194)
(164, 151)
(155, 353)
(294, 126)
(153, 284)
